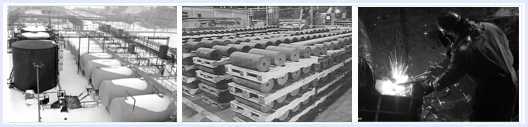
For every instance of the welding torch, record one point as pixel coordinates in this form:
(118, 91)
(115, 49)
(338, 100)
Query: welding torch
(419, 81)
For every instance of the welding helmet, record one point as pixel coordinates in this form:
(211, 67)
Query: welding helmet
(449, 21)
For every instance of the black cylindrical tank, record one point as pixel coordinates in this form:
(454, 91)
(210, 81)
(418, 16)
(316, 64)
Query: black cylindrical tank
(40, 52)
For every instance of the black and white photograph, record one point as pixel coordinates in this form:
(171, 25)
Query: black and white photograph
(454, 64)
(267, 64)
(90, 64)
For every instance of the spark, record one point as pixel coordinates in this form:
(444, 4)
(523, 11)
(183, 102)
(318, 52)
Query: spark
(398, 74)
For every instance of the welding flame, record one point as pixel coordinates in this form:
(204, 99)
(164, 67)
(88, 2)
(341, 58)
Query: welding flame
(398, 74)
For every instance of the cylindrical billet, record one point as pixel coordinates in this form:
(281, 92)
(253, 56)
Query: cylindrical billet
(239, 47)
(264, 42)
(313, 36)
(207, 43)
(251, 61)
(302, 37)
(227, 41)
(241, 39)
(304, 51)
(225, 50)
(322, 47)
(208, 53)
(307, 37)
(318, 35)
(285, 40)
(192, 40)
(191, 33)
(347, 40)
(329, 45)
(275, 41)
(337, 44)
(294, 39)
(187, 58)
(341, 41)
(192, 45)
(291, 54)
(253, 45)
(276, 57)
(315, 51)
(218, 42)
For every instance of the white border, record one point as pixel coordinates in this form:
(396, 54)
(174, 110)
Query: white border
(355, 56)
(522, 62)
(4, 58)
(179, 63)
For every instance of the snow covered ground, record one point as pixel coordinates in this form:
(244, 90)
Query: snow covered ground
(73, 83)
(17, 110)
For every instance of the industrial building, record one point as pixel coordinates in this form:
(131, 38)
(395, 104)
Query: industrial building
(267, 64)
(90, 64)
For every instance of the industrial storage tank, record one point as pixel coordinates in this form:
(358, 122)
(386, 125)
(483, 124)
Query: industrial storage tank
(28, 52)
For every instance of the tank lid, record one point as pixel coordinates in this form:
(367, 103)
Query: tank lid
(35, 35)
(33, 44)
(34, 28)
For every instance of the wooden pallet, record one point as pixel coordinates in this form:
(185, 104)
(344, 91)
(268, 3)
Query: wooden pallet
(290, 112)
(190, 91)
(276, 73)
(187, 82)
(265, 88)
(210, 63)
(318, 101)
(219, 70)
(211, 90)
(280, 95)
(189, 73)
(211, 77)
(213, 102)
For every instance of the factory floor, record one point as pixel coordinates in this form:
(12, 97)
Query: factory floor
(340, 110)
(17, 110)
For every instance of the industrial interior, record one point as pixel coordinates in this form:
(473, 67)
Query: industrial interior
(90, 64)
(267, 64)
(402, 48)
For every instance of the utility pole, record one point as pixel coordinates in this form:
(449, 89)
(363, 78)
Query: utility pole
(37, 68)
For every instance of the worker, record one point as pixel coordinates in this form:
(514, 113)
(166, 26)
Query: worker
(480, 51)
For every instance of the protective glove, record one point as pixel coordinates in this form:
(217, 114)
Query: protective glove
(427, 87)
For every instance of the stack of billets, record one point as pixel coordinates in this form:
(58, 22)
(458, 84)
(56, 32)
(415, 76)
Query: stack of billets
(282, 92)
(232, 30)
(189, 81)
(211, 77)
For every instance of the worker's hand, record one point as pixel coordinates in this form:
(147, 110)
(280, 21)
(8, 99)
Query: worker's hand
(427, 87)
(435, 70)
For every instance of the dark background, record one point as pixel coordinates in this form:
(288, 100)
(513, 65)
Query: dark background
(402, 29)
